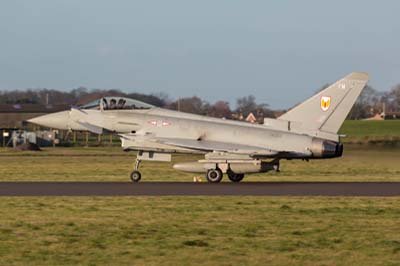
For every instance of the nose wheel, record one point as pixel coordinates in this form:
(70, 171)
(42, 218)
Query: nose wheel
(135, 174)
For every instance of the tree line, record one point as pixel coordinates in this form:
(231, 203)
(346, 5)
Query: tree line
(373, 102)
(369, 103)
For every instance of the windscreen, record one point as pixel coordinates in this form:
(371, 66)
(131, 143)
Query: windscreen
(117, 103)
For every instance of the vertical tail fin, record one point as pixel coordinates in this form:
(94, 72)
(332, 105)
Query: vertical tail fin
(327, 109)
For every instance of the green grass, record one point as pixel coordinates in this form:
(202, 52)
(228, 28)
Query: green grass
(371, 128)
(361, 131)
(199, 231)
(359, 163)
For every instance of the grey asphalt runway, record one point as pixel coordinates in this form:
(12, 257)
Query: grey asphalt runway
(197, 189)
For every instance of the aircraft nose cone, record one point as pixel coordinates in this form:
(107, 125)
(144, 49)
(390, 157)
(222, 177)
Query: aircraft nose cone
(57, 120)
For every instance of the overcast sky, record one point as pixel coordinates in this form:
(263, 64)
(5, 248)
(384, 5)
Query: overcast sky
(280, 51)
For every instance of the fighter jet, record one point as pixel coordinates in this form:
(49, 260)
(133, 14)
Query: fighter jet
(307, 131)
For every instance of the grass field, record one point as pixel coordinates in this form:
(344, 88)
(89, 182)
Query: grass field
(199, 231)
(361, 131)
(360, 163)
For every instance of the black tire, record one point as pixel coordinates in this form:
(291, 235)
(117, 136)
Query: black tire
(135, 176)
(214, 175)
(235, 177)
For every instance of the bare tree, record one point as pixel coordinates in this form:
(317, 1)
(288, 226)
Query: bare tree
(394, 98)
(220, 109)
(248, 104)
(193, 105)
(368, 104)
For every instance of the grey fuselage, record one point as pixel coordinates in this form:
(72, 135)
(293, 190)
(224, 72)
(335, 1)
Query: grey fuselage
(168, 124)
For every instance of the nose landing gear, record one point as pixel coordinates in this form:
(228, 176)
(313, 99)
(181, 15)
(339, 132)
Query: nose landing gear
(135, 174)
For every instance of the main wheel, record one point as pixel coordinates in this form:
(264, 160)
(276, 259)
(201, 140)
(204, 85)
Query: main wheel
(136, 176)
(235, 177)
(214, 175)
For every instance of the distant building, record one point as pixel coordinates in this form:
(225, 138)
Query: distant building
(14, 117)
(385, 116)
(251, 118)
(392, 115)
(376, 117)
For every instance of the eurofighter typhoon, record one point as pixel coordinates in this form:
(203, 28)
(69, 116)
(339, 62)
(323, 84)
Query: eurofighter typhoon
(307, 131)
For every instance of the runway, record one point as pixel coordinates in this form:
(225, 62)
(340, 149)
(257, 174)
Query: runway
(199, 189)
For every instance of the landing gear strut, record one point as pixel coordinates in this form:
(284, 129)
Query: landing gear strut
(136, 175)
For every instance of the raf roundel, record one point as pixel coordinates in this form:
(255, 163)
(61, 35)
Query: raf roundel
(325, 103)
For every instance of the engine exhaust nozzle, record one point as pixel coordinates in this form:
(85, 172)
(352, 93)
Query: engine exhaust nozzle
(326, 148)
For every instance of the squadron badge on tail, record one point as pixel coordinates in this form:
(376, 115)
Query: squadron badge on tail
(325, 103)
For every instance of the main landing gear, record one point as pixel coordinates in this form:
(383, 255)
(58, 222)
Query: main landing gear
(215, 176)
(236, 178)
(135, 174)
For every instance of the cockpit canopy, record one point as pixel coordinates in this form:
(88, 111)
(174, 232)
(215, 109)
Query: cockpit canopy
(117, 103)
